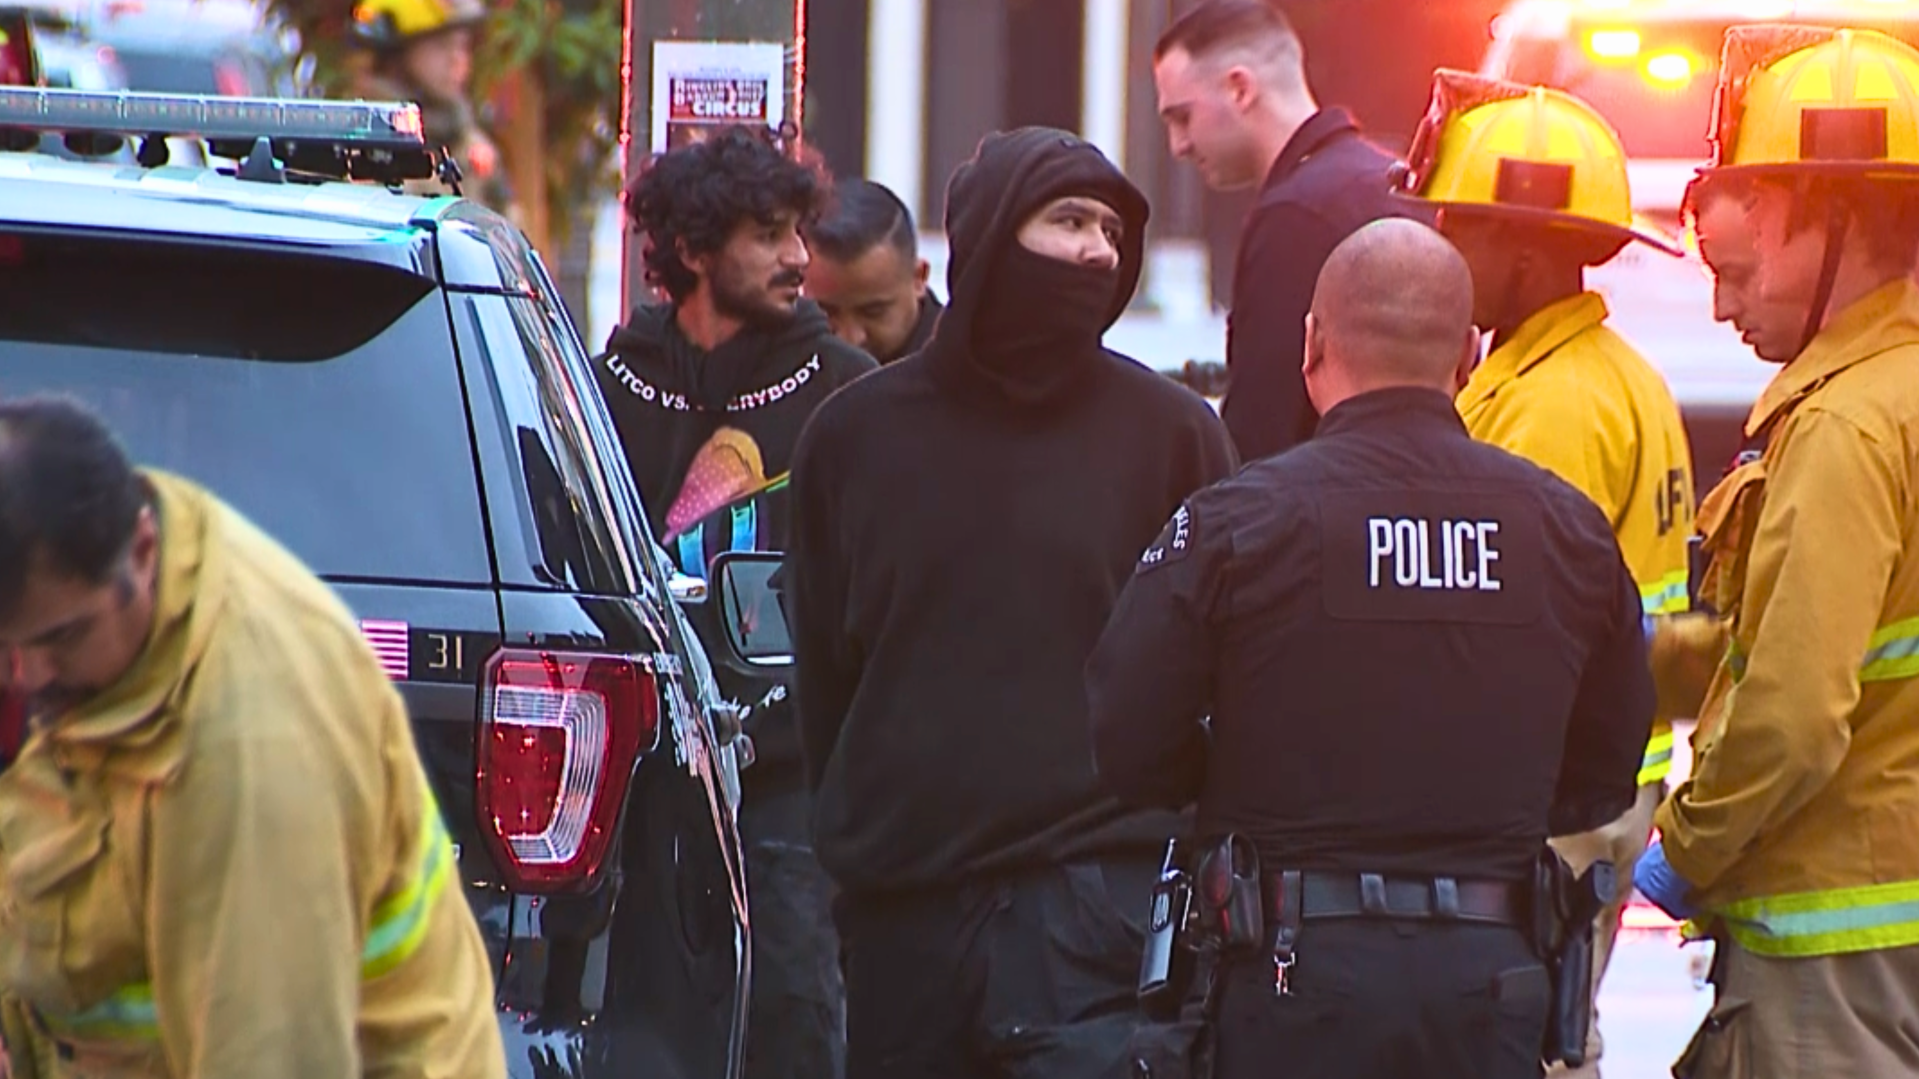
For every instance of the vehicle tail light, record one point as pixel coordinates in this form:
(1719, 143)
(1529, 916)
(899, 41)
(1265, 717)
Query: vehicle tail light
(559, 736)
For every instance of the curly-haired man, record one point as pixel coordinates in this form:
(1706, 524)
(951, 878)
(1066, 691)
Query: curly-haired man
(709, 390)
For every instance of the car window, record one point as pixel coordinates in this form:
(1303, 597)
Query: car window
(337, 426)
(556, 496)
(617, 488)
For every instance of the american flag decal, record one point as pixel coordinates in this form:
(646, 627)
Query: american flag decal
(389, 641)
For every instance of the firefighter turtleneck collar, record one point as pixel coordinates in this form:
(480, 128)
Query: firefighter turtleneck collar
(1022, 329)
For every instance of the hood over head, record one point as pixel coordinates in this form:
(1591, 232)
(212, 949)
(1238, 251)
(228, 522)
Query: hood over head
(1011, 176)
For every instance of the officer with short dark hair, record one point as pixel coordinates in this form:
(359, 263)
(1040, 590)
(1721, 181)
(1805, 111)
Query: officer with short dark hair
(1362, 617)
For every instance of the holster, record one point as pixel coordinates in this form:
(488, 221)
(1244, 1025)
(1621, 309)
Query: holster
(1563, 909)
(1231, 914)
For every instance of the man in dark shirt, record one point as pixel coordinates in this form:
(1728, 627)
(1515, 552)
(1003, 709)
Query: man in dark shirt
(962, 520)
(867, 273)
(1361, 618)
(709, 391)
(1234, 98)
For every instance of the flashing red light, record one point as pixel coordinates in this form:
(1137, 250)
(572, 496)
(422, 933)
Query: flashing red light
(408, 121)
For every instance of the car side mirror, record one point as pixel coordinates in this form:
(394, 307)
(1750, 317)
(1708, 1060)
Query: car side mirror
(751, 616)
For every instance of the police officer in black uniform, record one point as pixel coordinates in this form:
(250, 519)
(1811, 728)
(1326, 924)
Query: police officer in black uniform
(1392, 661)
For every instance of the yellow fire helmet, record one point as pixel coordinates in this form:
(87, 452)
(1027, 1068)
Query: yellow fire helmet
(386, 24)
(1812, 100)
(1527, 153)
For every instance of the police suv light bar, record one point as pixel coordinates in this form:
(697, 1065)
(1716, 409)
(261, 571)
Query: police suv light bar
(359, 124)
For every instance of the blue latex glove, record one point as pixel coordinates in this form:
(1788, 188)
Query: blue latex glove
(1658, 881)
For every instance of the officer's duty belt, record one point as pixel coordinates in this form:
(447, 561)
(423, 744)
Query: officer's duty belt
(1312, 895)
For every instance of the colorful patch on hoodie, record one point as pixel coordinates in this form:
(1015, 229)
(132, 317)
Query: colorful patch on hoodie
(728, 466)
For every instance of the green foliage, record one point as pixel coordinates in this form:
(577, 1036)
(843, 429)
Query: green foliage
(574, 45)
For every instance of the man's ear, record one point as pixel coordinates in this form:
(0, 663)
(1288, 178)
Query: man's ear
(1314, 353)
(921, 273)
(1242, 87)
(143, 553)
(1468, 360)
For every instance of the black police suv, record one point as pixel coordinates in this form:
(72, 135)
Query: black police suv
(389, 384)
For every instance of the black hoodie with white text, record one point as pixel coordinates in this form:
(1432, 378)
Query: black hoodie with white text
(709, 437)
(962, 523)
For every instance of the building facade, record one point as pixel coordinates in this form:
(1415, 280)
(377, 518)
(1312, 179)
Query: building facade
(902, 90)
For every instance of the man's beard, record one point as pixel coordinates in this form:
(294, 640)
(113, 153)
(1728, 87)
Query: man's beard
(754, 305)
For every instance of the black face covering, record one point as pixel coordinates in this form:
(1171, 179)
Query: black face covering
(1022, 329)
(1041, 318)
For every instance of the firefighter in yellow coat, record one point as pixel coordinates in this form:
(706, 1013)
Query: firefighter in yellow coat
(1796, 840)
(219, 856)
(422, 51)
(1531, 185)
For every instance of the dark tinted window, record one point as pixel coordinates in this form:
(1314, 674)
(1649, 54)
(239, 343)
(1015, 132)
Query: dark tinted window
(556, 491)
(320, 396)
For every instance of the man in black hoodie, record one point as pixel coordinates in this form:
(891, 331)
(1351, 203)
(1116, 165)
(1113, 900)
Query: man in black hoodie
(709, 393)
(962, 522)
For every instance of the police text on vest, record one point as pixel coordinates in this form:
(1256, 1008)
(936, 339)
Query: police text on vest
(1413, 552)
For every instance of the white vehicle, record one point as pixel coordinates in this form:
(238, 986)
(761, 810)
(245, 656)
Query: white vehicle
(1650, 66)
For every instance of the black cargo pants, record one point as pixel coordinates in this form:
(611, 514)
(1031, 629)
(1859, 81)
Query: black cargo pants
(1027, 977)
(796, 1021)
(1379, 999)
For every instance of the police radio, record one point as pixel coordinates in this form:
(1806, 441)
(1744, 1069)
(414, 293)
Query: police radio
(1166, 967)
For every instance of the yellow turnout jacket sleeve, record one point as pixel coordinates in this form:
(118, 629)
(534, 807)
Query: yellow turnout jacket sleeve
(1816, 580)
(255, 939)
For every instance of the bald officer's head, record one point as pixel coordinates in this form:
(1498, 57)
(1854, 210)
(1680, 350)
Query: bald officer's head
(1393, 307)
